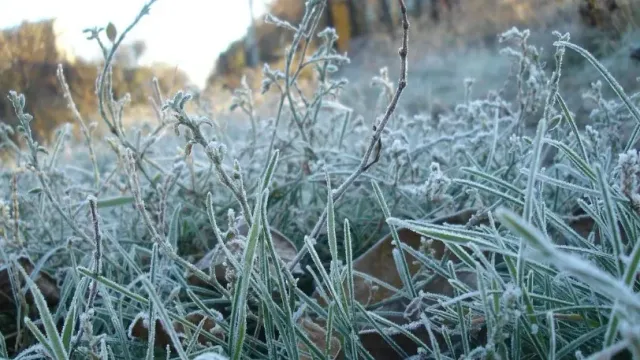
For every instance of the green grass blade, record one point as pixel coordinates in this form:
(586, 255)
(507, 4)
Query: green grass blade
(42, 339)
(58, 350)
(238, 323)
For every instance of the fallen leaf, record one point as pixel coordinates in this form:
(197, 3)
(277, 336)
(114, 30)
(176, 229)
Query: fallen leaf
(284, 247)
(378, 262)
(139, 329)
(378, 347)
(45, 282)
(584, 225)
(318, 335)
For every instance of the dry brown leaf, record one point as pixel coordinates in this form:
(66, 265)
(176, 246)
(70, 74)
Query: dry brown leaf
(318, 335)
(139, 329)
(584, 225)
(378, 347)
(45, 282)
(284, 247)
(378, 263)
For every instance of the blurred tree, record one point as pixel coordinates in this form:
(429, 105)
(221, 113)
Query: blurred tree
(29, 57)
(28, 54)
(341, 19)
(265, 43)
(252, 46)
(30, 41)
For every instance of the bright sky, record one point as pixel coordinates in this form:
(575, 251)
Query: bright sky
(186, 33)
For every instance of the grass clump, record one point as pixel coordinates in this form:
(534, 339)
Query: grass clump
(541, 262)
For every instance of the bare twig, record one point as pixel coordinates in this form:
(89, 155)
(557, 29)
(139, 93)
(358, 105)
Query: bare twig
(375, 146)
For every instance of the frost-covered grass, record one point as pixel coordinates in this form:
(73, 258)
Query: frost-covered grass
(122, 220)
